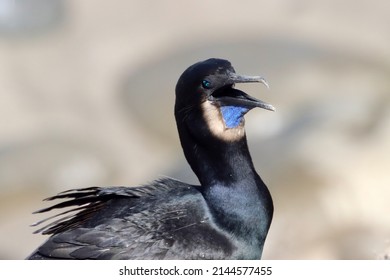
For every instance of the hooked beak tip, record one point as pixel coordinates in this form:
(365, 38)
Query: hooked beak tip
(264, 82)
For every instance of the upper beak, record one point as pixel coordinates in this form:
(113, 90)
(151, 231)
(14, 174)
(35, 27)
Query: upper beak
(234, 97)
(235, 78)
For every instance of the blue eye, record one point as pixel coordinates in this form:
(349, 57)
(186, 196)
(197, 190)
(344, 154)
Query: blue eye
(206, 84)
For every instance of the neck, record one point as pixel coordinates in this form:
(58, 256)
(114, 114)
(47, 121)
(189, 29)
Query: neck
(222, 163)
(235, 193)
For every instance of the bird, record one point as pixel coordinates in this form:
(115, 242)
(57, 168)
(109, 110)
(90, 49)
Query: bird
(226, 216)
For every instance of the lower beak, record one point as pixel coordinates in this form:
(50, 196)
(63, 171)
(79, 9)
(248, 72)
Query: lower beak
(235, 97)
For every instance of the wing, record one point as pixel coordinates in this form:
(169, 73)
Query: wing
(136, 236)
(165, 220)
(86, 202)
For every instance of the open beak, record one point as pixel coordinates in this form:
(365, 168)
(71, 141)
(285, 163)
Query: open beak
(229, 96)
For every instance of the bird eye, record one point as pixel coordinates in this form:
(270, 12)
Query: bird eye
(206, 84)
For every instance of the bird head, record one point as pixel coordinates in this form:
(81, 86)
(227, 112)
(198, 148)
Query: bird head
(208, 102)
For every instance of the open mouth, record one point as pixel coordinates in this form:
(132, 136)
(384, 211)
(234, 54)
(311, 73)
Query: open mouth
(227, 95)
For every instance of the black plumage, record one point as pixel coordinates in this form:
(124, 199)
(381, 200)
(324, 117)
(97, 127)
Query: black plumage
(226, 217)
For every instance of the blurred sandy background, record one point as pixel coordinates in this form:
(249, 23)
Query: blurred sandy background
(87, 93)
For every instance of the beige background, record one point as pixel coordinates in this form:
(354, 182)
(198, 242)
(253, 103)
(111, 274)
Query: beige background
(87, 92)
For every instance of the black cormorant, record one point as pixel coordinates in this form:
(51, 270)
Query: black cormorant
(226, 217)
